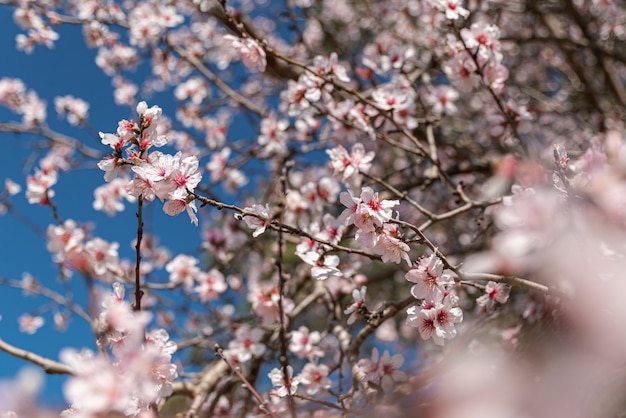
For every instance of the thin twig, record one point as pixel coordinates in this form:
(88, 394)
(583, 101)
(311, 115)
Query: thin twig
(219, 352)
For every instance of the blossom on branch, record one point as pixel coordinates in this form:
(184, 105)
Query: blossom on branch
(250, 52)
(494, 293)
(258, 219)
(284, 386)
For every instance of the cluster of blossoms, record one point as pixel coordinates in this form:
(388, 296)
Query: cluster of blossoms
(265, 304)
(438, 312)
(38, 31)
(148, 23)
(39, 185)
(74, 108)
(251, 53)
(157, 175)
(323, 265)
(314, 375)
(475, 57)
(349, 166)
(372, 216)
(311, 88)
(15, 96)
(383, 371)
(184, 270)
(140, 373)
(93, 258)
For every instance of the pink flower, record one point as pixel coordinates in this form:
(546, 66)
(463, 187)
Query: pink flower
(332, 230)
(315, 378)
(265, 304)
(194, 88)
(461, 70)
(379, 211)
(183, 270)
(352, 203)
(388, 368)
(247, 343)
(75, 108)
(11, 187)
(429, 278)
(273, 137)
(494, 293)
(358, 302)
(452, 8)
(212, 283)
(176, 206)
(442, 99)
(330, 67)
(482, 38)
(435, 320)
(383, 370)
(370, 367)
(250, 52)
(65, 238)
(260, 221)
(278, 381)
(350, 165)
(324, 265)
(109, 197)
(30, 324)
(302, 343)
(392, 249)
(102, 256)
(38, 186)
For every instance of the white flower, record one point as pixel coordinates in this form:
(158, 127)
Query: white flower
(258, 222)
(251, 53)
(278, 381)
(494, 292)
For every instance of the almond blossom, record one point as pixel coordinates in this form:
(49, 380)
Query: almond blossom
(284, 387)
(358, 303)
(109, 197)
(324, 265)
(349, 166)
(38, 186)
(383, 370)
(259, 218)
(430, 280)
(75, 108)
(303, 343)
(265, 304)
(247, 344)
(452, 8)
(211, 285)
(103, 256)
(315, 378)
(250, 52)
(183, 270)
(390, 247)
(436, 320)
(494, 293)
(30, 324)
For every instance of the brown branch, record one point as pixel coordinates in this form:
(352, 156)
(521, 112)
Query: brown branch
(138, 291)
(47, 365)
(51, 135)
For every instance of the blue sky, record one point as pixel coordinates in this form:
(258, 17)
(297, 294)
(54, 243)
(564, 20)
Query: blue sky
(69, 68)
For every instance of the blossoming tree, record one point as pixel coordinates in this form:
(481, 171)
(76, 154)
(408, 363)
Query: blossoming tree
(405, 207)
